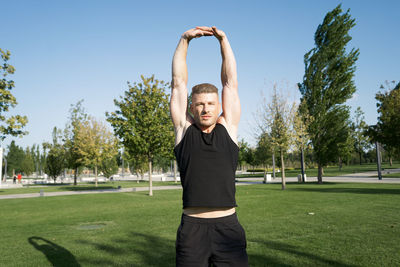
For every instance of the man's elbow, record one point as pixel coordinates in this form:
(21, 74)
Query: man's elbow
(178, 82)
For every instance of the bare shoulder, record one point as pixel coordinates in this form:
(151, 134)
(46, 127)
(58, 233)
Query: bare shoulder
(231, 128)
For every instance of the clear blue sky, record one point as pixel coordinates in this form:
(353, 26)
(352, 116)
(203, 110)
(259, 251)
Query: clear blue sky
(64, 51)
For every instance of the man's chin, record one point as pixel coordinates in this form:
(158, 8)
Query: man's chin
(206, 123)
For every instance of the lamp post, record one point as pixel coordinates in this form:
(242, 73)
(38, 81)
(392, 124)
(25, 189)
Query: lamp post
(378, 160)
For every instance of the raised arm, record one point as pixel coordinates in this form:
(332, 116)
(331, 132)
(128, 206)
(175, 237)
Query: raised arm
(179, 94)
(230, 97)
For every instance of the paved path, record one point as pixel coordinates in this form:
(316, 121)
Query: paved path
(366, 177)
(102, 191)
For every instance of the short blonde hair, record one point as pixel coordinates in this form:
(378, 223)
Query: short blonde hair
(204, 88)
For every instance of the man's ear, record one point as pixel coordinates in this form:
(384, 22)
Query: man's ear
(191, 107)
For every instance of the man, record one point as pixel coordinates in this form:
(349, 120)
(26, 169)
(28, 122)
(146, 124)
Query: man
(207, 153)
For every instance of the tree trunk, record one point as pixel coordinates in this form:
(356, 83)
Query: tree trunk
(95, 174)
(283, 172)
(273, 165)
(340, 163)
(150, 179)
(390, 161)
(76, 176)
(320, 171)
(359, 153)
(175, 174)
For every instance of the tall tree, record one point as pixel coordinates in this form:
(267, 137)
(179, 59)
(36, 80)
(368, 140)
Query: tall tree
(28, 165)
(77, 117)
(243, 148)
(12, 125)
(389, 114)
(301, 137)
(142, 121)
(360, 138)
(55, 160)
(15, 157)
(263, 153)
(95, 144)
(327, 84)
(278, 117)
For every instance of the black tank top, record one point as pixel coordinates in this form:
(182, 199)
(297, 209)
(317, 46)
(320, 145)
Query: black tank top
(207, 164)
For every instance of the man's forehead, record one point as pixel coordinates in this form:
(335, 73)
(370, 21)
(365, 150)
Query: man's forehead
(203, 96)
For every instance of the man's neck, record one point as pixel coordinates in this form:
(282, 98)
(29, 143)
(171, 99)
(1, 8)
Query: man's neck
(206, 129)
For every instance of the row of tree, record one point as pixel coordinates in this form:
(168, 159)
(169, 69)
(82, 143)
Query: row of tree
(321, 122)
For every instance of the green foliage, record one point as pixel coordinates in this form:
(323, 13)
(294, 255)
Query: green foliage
(109, 166)
(263, 152)
(142, 121)
(327, 84)
(243, 152)
(77, 117)
(28, 165)
(361, 139)
(95, 145)
(55, 159)
(15, 157)
(12, 125)
(387, 130)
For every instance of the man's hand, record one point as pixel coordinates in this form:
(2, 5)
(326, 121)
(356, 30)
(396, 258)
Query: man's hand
(197, 32)
(216, 32)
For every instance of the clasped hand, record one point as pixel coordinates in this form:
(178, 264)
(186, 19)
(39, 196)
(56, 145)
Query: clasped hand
(203, 31)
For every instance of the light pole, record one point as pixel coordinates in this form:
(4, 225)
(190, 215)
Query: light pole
(378, 160)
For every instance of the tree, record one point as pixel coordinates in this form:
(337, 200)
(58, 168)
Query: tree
(95, 144)
(263, 152)
(77, 117)
(55, 160)
(12, 125)
(109, 166)
(243, 148)
(15, 157)
(387, 130)
(27, 165)
(327, 84)
(142, 122)
(360, 138)
(346, 149)
(301, 137)
(280, 124)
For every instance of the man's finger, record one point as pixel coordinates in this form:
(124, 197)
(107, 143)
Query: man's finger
(204, 28)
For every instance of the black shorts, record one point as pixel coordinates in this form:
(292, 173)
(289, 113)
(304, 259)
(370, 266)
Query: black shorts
(211, 242)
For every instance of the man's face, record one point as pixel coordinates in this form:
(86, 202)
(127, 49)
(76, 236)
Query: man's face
(205, 108)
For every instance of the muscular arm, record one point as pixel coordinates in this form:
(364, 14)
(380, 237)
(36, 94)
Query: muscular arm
(230, 96)
(179, 94)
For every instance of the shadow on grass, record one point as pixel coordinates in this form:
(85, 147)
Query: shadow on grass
(263, 260)
(55, 254)
(137, 249)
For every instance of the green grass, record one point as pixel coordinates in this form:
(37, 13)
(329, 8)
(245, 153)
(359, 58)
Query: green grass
(329, 171)
(351, 225)
(80, 187)
(392, 175)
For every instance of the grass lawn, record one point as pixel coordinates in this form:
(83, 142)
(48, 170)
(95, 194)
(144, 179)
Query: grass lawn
(305, 225)
(330, 171)
(81, 186)
(391, 175)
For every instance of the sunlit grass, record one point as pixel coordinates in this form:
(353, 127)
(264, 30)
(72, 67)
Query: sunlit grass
(305, 225)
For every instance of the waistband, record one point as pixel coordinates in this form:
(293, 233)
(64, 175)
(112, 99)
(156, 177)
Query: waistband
(225, 219)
